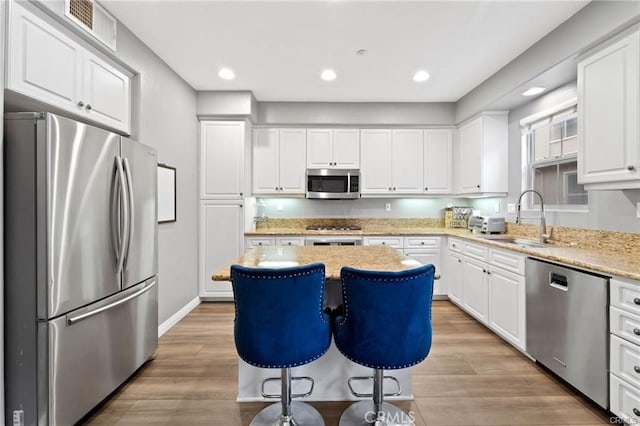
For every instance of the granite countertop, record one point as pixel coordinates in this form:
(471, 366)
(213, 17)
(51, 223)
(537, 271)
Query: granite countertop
(616, 258)
(379, 258)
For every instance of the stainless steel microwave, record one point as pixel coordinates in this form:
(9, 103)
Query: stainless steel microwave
(333, 184)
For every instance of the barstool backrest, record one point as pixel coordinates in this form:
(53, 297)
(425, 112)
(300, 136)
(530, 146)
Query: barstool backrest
(279, 320)
(386, 318)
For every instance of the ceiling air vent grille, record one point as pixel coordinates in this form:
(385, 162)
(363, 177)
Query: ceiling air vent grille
(82, 10)
(94, 19)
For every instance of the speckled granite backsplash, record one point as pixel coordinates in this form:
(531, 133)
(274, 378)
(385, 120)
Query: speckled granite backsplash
(365, 224)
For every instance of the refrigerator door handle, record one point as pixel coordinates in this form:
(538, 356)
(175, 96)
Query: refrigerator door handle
(127, 170)
(74, 319)
(124, 232)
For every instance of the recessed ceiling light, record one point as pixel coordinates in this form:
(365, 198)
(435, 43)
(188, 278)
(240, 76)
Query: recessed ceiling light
(328, 75)
(362, 52)
(533, 91)
(421, 76)
(226, 74)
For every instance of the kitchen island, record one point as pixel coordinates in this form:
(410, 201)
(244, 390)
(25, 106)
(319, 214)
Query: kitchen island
(330, 371)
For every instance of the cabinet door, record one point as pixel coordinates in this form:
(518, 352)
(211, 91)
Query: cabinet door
(265, 161)
(407, 161)
(292, 161)
(319, 148)
(106, 93)
(376, 164)
(438, 161)
(507, 305)
(346, 148)
(470, 144)
(425, 257)
(43, 62)
(221, 158)
(608, 110)
(474, 288)
(220, 244)
(454, 278)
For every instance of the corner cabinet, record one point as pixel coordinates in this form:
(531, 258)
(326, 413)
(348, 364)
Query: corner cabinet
(279, 159)
(609, 116)
(222, 159)
(46, 65)
(482, 153)
(333, 148)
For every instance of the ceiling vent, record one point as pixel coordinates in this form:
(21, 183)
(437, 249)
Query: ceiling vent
(94, 19)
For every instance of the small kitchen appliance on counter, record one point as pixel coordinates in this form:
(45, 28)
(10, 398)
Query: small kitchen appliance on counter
(487, 224)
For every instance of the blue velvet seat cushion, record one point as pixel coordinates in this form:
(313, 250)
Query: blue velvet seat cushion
(279, 318)
(385, 320)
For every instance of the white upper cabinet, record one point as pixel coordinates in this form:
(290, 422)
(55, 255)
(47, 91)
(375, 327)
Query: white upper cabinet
(608, 116)
(482, 152)
(222, 159)
(438, 161)
(391, 161)
(48, 66)
(333, 148)
(279, 161)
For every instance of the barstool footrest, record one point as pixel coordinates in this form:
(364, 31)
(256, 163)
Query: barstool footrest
(369, 395)
(293, 395)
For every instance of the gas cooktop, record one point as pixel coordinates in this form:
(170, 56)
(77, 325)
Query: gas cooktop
(334, 228)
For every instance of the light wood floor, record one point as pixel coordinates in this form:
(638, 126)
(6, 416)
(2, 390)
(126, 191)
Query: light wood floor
(471, 377)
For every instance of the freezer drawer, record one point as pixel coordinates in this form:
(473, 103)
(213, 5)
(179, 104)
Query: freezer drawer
(83, 356)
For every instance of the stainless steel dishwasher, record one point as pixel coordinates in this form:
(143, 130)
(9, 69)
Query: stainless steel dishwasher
(567, 325)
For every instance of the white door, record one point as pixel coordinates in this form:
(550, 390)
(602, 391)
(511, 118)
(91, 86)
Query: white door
(507, 305)
(470, 144)
(608, 110)
(438, 161)
(376, 162)
(454, 278)
(265, 161)
(43, 62)
(407, 161)
(221, 229)
(106, 93)
(319, 148)
(474, 291)
(292, 161)
(426, 258)
(221, 158)
(346, 148)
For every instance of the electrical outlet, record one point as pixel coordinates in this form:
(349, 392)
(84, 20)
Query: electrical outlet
(387, 207)
(497, 209)
(511, 208)
(279, 207)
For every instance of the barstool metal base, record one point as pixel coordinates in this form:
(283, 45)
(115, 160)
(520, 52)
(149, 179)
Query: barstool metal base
(301, 415)
(363, 413)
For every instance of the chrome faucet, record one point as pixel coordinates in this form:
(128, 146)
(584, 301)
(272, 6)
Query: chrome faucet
(543, 223)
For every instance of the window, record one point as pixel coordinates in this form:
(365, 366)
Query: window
(550, 143)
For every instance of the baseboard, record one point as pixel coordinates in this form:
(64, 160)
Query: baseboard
(175, 318)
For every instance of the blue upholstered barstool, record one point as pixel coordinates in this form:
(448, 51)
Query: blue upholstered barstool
(280, 324)
(384, 323)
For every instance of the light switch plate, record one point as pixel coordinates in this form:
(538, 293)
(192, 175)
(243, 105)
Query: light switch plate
(638, 210)
(387, 207)
(511, 208)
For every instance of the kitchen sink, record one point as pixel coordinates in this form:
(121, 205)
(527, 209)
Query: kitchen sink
(517, 241)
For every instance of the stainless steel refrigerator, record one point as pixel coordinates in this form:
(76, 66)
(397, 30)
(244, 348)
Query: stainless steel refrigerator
(80, 236)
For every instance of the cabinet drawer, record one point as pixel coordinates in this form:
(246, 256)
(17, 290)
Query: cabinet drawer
(625, 360)
(455, 245)
(507, 260)
(422, 242)
(475, 250)
(254, 242)
(625, 295)
(395, 242)
(625, 324)
(625, 400)
(290, 241)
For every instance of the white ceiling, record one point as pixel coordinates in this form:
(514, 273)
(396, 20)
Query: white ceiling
(279, 48)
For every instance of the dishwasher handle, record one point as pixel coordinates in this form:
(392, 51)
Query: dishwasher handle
(558, 281)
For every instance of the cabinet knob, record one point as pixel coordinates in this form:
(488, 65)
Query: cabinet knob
(260, 243)
(394, 188)
(488, 272)
(426, 189)
(459, 260)
(240, 205)
(636, 412)
(631, 167)
(389, 188)
(289, 243)
(484, 271)
(636, 368)
(421, 243)
(636, 331)
(280, 188)
(478, 186)
(80, 104)
(636, 300)
(383, 243)
(88, 107)
(241, 194)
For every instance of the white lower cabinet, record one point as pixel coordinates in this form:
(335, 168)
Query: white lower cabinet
(624, 323)
(289, 241)
(251, 242)
(221, 224)
(489, 284)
